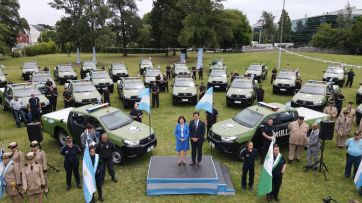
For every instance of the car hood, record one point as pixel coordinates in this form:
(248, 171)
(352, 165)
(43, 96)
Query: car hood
(30, 70)
(41, 97)
(223, 79)
(116, 71)
(133, 131)
(177, 90)
(149, 79)
(62, 74)
(253, 72)
(132, 92)
(283, 81)
(359, 91)
(2, 78)
(333, 75)
(239, 91)
(86, 95)
(229, 128)
(359, 108)
(183, 71)
(308, 97)
(103, 80)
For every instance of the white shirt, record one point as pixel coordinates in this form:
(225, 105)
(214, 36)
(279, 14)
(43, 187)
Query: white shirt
(182, 130)
(16, 105)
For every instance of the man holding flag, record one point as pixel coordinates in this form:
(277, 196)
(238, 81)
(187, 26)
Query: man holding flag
(89, 182)
(272, 173)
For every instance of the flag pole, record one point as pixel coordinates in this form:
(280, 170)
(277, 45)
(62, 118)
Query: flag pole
(149, 121)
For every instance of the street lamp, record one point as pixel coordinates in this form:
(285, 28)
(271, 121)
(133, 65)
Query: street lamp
(281, 36)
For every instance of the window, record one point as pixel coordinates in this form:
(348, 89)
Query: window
(79, 119)
(286, 117)
(274, 117)
(94, 122)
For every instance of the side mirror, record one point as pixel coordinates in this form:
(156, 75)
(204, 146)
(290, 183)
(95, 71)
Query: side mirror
(99, 129)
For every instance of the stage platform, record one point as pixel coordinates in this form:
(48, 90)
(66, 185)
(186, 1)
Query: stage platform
(166, 177)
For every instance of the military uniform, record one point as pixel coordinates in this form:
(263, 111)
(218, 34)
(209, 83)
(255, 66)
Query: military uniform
(12, 177)
(18, 156)
(343, 128)
(201, 71)
(331, 111)
(67, 102)
(106, 98)
(352, 112)
(71, 163)
(260, 94)
(105, 151)
(41, 158)
(33, 178)
(52, 95)
(297, 139)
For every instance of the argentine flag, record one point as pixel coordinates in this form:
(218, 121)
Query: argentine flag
(144, 104)
(358, 177)
(206, 101)
(2, 178)
(89, 182)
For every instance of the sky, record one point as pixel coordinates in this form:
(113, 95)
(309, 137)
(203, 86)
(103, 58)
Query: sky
(39, 12)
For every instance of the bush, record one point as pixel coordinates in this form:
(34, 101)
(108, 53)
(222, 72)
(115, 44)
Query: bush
(41, 48)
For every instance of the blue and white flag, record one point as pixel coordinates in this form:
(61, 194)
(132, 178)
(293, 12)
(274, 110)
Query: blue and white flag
(2, 178)
(89, 181)
(206, 101)
(145, 104)
(199, 58)
(358, 177)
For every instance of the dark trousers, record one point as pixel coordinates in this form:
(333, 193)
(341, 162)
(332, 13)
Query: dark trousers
(349, 82)
(208, 127)
(34, 115)
(68, 104)
(201, 75)
(247, 168)
(169, 76)
(99, 183)
(272, 79)
(155, 100)
(106, 99)
(166, 86)
(352, 160)
(339, 109)
(109, 165)
(264, 149)
(20, 116)
(53, 104)
(277, 182)
(196, 148)
(72, 167)
(260, 98)
(193, 75)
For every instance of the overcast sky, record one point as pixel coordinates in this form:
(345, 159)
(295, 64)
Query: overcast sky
(38, 11)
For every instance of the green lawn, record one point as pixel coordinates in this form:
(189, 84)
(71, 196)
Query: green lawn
(298, 186)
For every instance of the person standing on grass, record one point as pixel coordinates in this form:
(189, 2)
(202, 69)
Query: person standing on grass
(202, 90)
(34, 108)
(33, 180)
(248, 156)
(16, 105)
(279, 166)
(201, 73)
(338, 101)
(12, 177)
(350, 76)
(193, 72)
(71, 162)
(211, 118)
(155, 95)
(99, 180)
(313, 145)
(105, 149)
(273, 75)
(182, 134)
(352, 110)
(331, 110)
(343, 128)
(354, 154)
(40, 158)
(267, 132)
(260, 93)
(297, 139)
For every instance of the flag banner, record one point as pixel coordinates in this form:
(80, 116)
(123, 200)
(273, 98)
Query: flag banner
(358, 177)
(199, 58)
(89, 182)
(206, 101)
(183, 58)
(145, 104)
(266, 177)
(94, 56)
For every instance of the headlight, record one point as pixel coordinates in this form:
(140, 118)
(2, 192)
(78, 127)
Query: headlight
(78, 100)
(317, 103)
(359, 91)
(294, 99)
(131, 142)
(248, 95)
(292, 85)
(229, 139)
(127, 96)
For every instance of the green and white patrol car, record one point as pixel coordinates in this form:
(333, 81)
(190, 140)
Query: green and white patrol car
(128, 90)
(3, 75)
(315, 95)
(259, 71)
(28, 69)
(241, 92)
(144, 65)
(38, 79)
(117, 71)
(218, 79)
(230, 136)
(285, 81)
(101, 79)
(87, 67)
(359, 94)
(184, 90)
(335, 73)
(130, 137)
(83, 92)
(64, 72)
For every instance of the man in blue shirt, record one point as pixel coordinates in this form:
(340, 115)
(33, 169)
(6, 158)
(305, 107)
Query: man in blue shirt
(354, 154)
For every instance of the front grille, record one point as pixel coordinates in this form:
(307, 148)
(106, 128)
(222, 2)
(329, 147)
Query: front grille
(89, 101)
(134, 97)
(217, 82)
(332, 79)
(147, 139)
(120, 74)
(185, 94)
(309, 103)
(215, 136)
(237, 96)
(283, 85)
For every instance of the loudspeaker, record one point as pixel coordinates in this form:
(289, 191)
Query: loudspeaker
(34, 131)
(326, 130)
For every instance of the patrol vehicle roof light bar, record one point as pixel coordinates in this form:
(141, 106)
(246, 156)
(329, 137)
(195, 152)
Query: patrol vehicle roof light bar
(91, 109)
(269, 106)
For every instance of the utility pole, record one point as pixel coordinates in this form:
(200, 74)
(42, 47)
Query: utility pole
(281, 36)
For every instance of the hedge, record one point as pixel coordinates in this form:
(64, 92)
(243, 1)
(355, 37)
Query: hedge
(40, 48)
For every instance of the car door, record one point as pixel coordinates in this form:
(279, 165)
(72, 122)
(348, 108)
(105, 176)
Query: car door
(258, 137)
(76, 125)
(282, 132)
(8, 96)
(96, 124)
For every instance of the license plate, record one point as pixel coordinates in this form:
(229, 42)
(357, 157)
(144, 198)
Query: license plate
(217, 86)
(150, 148)
(237, 102)
(283, 90)
(185, 100)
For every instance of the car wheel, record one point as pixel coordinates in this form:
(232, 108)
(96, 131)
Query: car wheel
(118, 156)
(61, 136)
(239, 151)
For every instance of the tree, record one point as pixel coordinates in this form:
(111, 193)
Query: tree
(325, 37)
(48, 35)
(355, 36)
(345, 18)
(144, 38)
(125, 21)
(287, 27)
(299, 35)
(267, 24)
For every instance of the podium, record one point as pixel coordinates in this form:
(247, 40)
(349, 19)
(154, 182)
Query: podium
(166, 177)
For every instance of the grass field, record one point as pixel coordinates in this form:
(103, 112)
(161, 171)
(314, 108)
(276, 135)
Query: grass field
(298, 186)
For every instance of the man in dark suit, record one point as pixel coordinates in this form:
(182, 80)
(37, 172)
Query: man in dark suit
(197, 132)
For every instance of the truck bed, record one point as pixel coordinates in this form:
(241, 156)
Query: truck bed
(59, 115)
(310, 114)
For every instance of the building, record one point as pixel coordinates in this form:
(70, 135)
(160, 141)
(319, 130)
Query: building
(29, 37)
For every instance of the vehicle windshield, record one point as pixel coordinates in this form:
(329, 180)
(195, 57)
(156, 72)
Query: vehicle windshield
(99, 75)
(118, 66)
(26, 92)
(134, 85)
(288, 76)
(334, 70)
(41, 78)
(248, 118)
(184, 83)
(242, 84)
(180, 66)
(30, 66)
(146, 62)
(89, 65)
(216, 63)
(255, 67)
(313, 89)
(65, 69)
(218, 74)
(84, 88)
(116, 120)
(152, 73)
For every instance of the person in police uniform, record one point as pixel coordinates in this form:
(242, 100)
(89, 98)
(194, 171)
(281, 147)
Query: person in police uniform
(202, 90)
(338, 101)
(273, 75)
(34, 107)
(201, 73)
(105, 149)
(98, 177)
(298, 84)
(211, 118)
(71, 162)
(52, 95)
(155, 95)
(331, 110)
(267, 133)
(18, 156)
(106, 98)
(168, 72)
(136, 114)
(298, 138)
(343, 128)
(260, 93)
(68, 98)
(12, 177)
(40, 158)
(248, 157)
(165, 82)
(33, 178)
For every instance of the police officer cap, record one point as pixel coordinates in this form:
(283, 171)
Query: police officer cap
(13, 145)
(34, 143)
(301, 117)
(7, 155)
(30, 156)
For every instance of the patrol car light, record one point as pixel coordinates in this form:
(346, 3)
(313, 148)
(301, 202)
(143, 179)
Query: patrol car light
(91, 109)
(269, 106)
